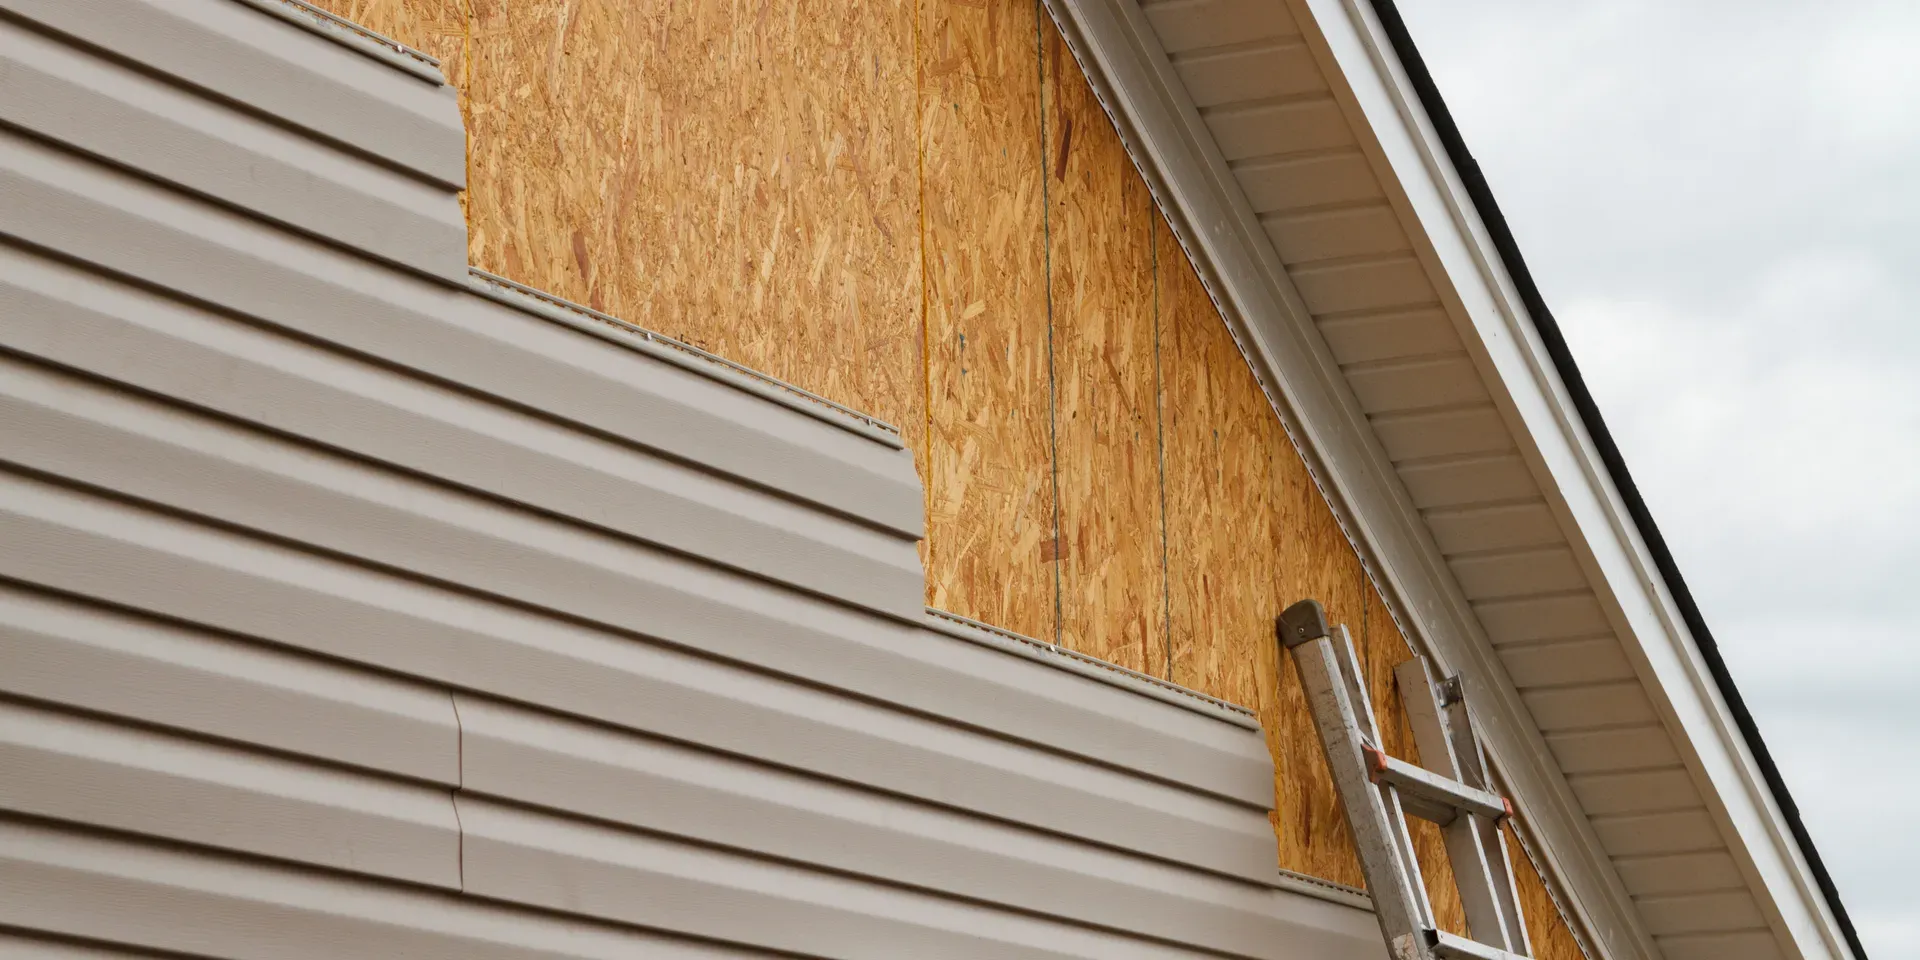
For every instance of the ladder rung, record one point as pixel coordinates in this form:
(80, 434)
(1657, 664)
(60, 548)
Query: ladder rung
(1430, 796)
(1446, 946)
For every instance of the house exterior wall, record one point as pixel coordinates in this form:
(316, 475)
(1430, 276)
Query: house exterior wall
(1166, 511)
(352, 606)
(920, 210)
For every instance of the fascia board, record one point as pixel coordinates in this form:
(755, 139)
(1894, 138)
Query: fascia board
(1522, 377)
(1184, 168)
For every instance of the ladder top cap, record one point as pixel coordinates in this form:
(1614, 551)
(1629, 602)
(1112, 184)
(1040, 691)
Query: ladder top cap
(1303, 621)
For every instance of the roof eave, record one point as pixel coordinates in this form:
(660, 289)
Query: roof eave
(1654, 562)
(1381, 82)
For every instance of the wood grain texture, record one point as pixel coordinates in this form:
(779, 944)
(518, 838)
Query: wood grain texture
(1547, 927)
(988, 463)
(1222, 515)
(1105, 416)
(739, 176)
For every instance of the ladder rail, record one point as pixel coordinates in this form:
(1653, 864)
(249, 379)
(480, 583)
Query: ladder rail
(1473, 761)
(1451, 787)
(1399, 833)
(1373, 813)
(1474, 844)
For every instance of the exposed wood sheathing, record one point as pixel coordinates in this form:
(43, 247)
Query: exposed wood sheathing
(990, 494)
(1552, 939)
(918, 209)
(739, 176)
(1100, 258)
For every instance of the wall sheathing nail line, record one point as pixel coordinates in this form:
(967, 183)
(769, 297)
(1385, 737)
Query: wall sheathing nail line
(353, 36)
(1576, 925)
(1325, 890)
(1160, 443)
(1046, 257)
(549, 307)
(964, 628)
(1282, 410)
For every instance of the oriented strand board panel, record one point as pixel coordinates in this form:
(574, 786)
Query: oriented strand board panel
(740, 176)
(1247, 534)
(1100, 226)
(1221, 503)
(1552, 938)
(988, 463)
(862, 199)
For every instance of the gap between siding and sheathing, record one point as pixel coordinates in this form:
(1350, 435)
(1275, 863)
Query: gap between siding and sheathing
(1160, 441)
(1040, 20)
(1051, 167)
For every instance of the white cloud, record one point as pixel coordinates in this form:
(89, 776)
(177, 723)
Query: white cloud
(1720, 202)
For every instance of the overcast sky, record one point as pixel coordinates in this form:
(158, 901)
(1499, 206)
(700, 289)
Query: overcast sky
(1721, 202)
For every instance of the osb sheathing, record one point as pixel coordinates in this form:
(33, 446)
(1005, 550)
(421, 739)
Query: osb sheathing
(988, 438)
(1106, 426)
(917, 208)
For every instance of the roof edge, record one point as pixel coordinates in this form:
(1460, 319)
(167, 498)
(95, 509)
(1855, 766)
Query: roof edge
(1183, 167)
(1480, 193)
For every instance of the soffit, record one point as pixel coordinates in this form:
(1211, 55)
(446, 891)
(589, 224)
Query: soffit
(1280, 180)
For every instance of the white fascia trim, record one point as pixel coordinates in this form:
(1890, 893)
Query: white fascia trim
(1176, 154)
(1564, 457)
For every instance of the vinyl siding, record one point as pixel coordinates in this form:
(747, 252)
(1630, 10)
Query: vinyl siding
(356, 606)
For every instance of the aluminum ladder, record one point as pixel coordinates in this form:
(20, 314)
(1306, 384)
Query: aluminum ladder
(1377, 792)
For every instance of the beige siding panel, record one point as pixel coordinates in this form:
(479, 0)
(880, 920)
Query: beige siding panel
(509, 356)
(1191, 24)
(1396, 385)
(1291, 183)
(109, 110)
(1503, 527)
(1389, 336)
(1277, 129)
(1570, 616)
(282, 384)
(662, 787)
(1601, 751)
(1459, 482)
(298, 599)
(1650, 876)
(1648, 791)
(276, 68)
(1527, 572)
(327, 606)
(16, 946)
(1264, 70)
(1598, 705)
(1638, 835)
(167, 898)
(1332, 234)
(1473, 431)
(590, 870)
(1386, 283)
(67, 767)
(105, 661)
(1724, 912)
(314, 469)
(1558, 663)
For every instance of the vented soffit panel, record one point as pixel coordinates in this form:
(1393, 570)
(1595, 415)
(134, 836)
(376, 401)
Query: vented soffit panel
(1408, 354)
